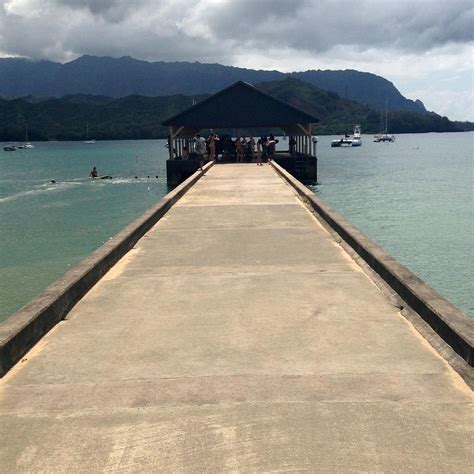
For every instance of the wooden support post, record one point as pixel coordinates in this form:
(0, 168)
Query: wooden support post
(170, 144)
(306, 138)
(310, 139)
(173, 142)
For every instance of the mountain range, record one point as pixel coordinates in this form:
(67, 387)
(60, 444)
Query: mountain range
(120, 77)
(140, 117)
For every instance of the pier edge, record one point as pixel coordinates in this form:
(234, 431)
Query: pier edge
(450, 323)
(24, 328)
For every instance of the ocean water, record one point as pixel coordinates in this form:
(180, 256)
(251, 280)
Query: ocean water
(414, 197)
(47, 228)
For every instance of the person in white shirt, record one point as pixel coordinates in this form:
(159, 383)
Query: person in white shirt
(200, 149)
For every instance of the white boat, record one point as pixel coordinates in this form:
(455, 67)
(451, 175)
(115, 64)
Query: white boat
(347, 140)
(344, 141)
(384, 136)
(357, 138)
(27, 144)
(89, 142)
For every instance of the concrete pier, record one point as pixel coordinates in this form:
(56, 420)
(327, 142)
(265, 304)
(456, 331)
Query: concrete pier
(237, 335)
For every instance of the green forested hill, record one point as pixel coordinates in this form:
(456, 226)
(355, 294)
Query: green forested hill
(120, 77)
(139, 117)
(339, 115)
(132, 117)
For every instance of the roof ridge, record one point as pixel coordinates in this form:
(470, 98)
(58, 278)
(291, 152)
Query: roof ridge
(304, 116)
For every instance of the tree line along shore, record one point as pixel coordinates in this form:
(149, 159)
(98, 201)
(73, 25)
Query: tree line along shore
(140, 117)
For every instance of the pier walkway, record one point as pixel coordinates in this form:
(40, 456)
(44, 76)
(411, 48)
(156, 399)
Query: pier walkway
(236, 336)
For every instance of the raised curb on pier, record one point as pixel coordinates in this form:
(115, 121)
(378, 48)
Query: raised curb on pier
(450, 323)
(23, 329)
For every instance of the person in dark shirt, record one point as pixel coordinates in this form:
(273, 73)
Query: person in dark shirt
(93, 173)
(292, 144)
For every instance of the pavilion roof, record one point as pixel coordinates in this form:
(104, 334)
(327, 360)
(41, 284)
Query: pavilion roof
(240, 105)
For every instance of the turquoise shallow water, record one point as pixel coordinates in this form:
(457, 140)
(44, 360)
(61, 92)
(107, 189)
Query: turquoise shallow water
(414, 197)
(47, 228)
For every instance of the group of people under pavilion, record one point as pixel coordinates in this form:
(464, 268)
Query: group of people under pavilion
(240, 106)
(225, 148)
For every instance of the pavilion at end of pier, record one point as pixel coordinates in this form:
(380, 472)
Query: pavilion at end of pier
(243, 107)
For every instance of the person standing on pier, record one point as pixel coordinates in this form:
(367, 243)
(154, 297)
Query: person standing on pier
(292, 146)
(251, 149)
(259, 152)
(200, 149)
(239, 148)
(212, 146)
(263, 142)
(271, 145)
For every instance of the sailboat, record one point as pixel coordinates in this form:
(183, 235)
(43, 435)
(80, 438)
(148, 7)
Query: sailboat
(384, 136)
(347, 140)
(27, 144)
(89, 142)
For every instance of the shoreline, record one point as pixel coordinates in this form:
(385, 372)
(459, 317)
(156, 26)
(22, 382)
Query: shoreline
(98, 140)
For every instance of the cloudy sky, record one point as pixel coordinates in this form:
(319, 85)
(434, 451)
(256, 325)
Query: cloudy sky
(425, 47)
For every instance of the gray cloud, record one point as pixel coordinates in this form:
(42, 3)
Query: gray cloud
(319, 26)
(402, 40)
(112, 11)
(182, 29)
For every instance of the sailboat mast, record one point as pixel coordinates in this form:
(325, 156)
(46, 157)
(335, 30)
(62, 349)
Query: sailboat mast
(345, 118)
(386, 115)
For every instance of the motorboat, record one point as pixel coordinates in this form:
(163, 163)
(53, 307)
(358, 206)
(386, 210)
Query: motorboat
(357, 138)
(10, 148)
(347, 140)
(344, 141)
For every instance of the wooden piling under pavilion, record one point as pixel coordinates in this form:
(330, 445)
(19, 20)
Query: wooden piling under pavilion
(237, 335)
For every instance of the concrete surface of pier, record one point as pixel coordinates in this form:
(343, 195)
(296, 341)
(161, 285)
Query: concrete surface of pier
(236, 336)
